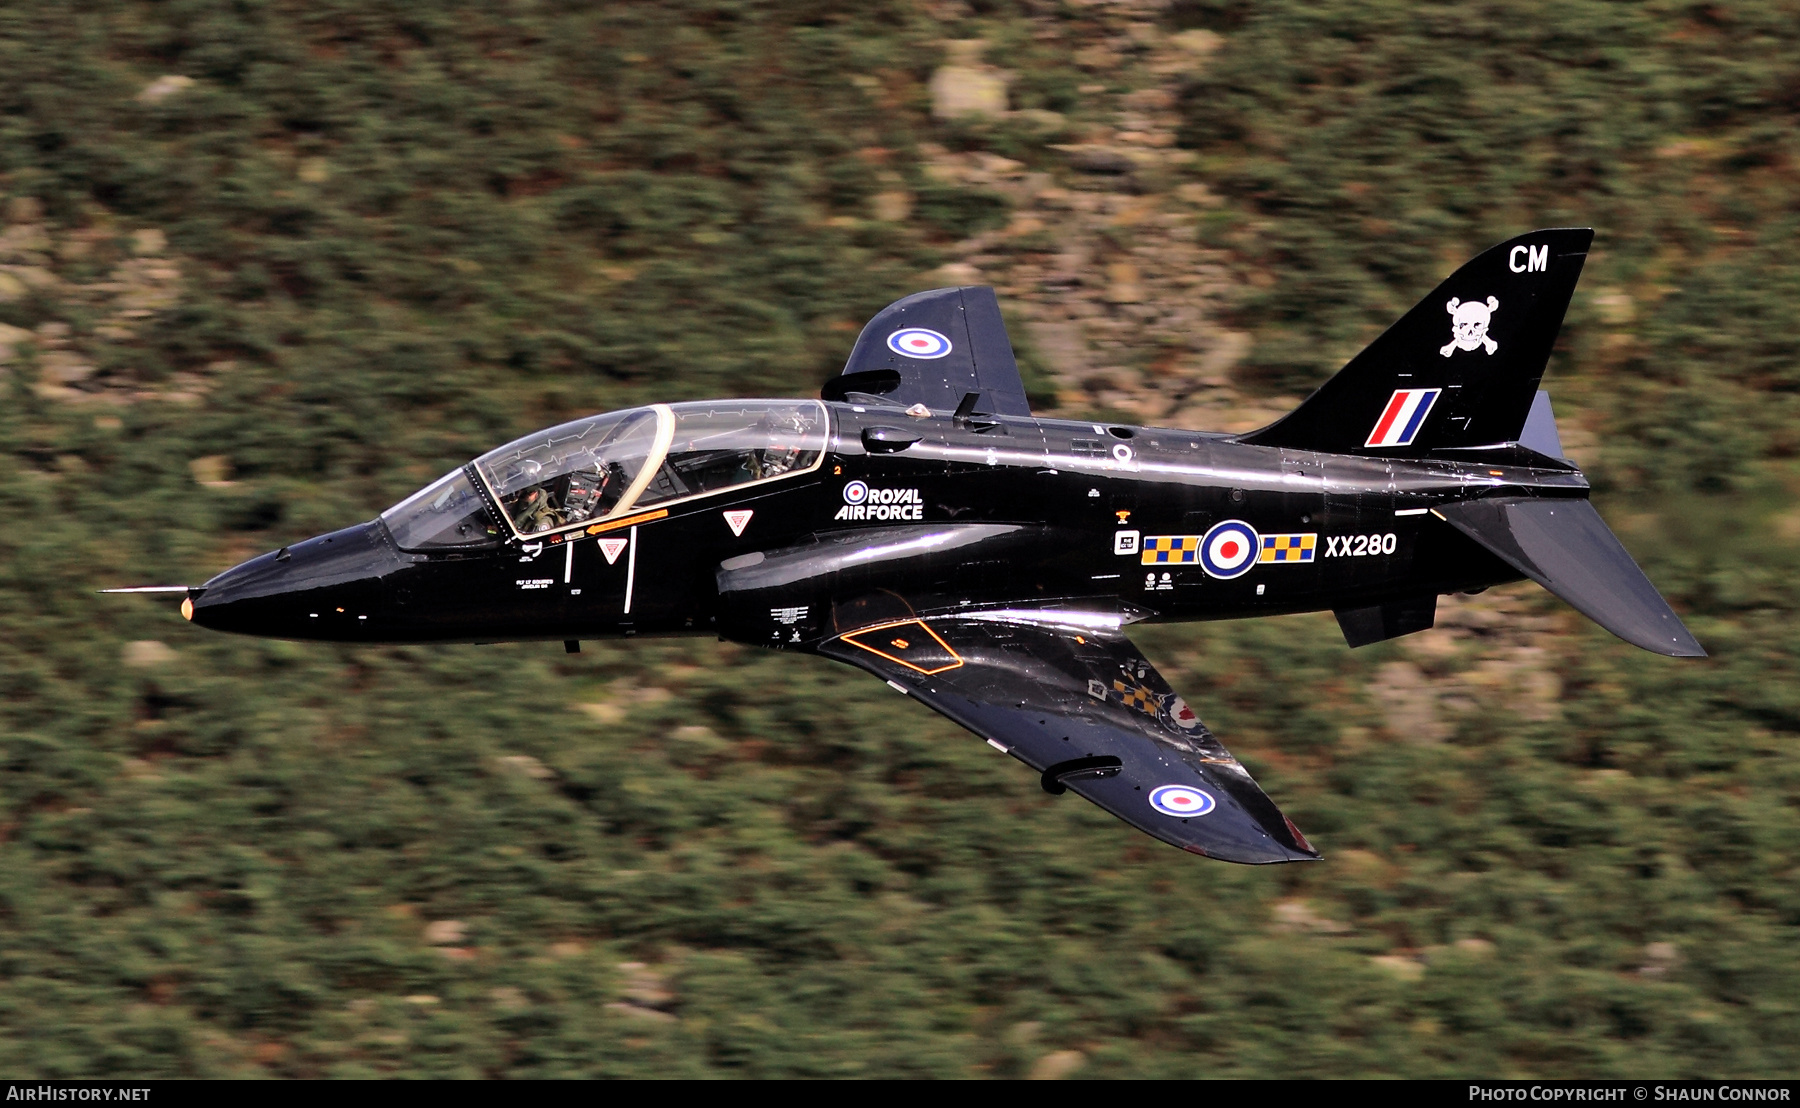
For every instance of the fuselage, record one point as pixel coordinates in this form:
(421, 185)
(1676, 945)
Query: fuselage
(922, 512)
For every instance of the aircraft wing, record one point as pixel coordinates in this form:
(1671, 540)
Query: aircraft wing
(935, 348)
(1083, 708)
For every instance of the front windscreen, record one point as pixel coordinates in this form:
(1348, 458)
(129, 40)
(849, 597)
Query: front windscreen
(443, 515)
(572, 473)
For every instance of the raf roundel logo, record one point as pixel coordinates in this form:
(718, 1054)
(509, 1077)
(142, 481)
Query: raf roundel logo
(1229, 549)
(1180, 800)
(856, 492)
(919, 342)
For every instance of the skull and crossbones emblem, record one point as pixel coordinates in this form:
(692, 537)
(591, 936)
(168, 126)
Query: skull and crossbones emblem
(1469, 321)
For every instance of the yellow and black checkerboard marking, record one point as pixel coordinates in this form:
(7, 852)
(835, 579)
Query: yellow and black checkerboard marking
(1288, 548)
(1162, 550)
(1135, 696)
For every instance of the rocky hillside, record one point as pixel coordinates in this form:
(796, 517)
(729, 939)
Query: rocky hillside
(267, 268)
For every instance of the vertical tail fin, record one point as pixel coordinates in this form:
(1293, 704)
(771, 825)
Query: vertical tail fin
(1460, 369)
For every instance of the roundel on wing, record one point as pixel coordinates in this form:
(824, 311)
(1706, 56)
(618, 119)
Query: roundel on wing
(1229, 549)
(1180, 714)
(1181, 800)
(918, 342)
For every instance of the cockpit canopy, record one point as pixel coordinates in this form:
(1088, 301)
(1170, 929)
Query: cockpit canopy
(608, 465)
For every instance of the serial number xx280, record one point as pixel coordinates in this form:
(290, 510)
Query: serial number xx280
(1358, 546)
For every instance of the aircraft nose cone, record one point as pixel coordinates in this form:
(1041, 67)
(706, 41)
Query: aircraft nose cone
(328, 587)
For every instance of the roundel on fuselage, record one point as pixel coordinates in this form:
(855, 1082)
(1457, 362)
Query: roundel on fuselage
(1229, 549)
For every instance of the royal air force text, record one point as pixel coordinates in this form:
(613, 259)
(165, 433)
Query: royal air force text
(885, 504)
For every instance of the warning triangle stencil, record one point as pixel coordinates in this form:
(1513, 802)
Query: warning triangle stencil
(738, 520)
(612, 548)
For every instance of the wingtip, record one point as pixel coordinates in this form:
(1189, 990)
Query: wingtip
(1299, 838)
(1684, 645)
(1279, 856)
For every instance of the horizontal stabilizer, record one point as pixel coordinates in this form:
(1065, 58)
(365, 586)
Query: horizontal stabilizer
(1566, 547)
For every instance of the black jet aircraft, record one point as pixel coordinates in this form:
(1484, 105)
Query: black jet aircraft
(918, 522)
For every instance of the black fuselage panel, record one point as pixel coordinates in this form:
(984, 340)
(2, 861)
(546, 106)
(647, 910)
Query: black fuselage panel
(984, 512)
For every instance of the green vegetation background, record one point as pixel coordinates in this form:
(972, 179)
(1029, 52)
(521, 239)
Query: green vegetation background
(224, 865)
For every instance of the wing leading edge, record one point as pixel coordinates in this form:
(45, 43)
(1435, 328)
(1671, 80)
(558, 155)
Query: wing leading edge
(1084, 709)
